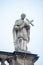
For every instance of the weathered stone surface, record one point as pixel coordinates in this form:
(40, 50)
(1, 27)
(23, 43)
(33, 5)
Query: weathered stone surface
(25, 58)
(18, 58)
(21, 34)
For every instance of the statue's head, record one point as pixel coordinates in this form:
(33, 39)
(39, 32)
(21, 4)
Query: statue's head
(23, 16)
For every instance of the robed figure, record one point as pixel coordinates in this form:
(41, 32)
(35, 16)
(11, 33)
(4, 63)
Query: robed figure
(21, 34)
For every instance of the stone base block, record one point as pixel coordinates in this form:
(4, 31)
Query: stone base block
(18, 58)
(25, 58)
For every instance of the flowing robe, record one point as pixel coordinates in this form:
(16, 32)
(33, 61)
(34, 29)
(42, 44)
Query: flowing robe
(21, 35)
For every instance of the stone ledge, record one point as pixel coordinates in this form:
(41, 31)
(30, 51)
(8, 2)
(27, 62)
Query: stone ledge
(27, 54)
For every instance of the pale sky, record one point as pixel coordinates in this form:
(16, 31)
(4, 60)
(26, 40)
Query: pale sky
(10, 10)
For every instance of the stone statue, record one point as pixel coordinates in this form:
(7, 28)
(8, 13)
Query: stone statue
(21, 33)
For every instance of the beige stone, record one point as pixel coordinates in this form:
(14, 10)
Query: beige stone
(18, 58)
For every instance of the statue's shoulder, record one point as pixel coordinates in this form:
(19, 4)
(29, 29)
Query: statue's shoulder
(19, 22)
(26, 25)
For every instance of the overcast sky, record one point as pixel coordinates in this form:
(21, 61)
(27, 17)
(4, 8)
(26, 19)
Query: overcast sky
(10, 10)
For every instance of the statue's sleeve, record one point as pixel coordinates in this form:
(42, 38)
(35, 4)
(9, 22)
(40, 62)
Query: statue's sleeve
(28, 32)
(14, 35)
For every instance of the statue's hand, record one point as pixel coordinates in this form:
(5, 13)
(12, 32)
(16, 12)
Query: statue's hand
(21, 26)
(16, 27)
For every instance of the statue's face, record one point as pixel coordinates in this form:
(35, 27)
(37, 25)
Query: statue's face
(23, 16)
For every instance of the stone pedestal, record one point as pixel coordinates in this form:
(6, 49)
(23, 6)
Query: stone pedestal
(22, 58)
(18, 58)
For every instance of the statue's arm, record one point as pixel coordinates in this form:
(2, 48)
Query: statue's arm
(16, 27)
(21, 26)
(26, 25)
